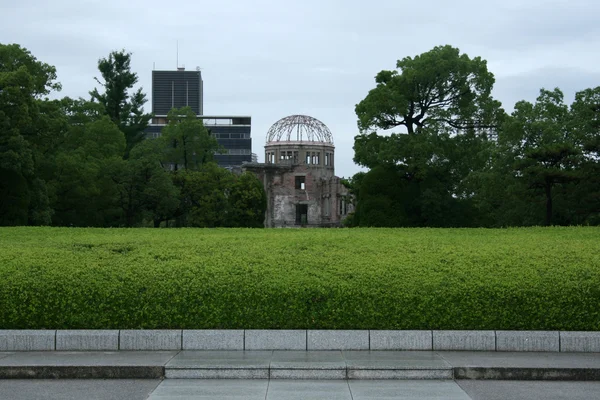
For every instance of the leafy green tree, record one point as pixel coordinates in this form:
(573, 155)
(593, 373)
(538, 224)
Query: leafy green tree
(545, 152)
(188, 143)
(204, 196)
(215, 197)
(585, 123)
(442, 99)
(125, 109)
(383, 199)
(439, 89)
(80, 188)
(145, 190)
(432, 169)
(247, 202)
(24, 83)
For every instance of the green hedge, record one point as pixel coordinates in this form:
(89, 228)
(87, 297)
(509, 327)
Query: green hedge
(67, 278)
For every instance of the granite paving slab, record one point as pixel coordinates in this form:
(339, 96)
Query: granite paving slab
(521, 359)
(580, 342)
(464, 340)
(405, 390)
(87, 340)
(213, 339)
(192, 389)
(88, 358)
(401, 340)
(77, 389)
(307, 360)
(520, 390)
(307, 365)
(219, 365)
(546, 341)
(275, 339)
(394, 360)
(161, 339)
(27, 340)
(2, 355)
(337, 340)
(396, 365)
(84, 365)
(221, 359)
(308, 390)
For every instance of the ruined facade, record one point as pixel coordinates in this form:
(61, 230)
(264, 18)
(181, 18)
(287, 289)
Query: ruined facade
(299, 177)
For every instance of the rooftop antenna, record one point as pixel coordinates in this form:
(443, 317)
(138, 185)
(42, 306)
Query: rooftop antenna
(177, 54)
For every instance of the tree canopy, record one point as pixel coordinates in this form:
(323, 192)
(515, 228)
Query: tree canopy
(459, 160)
(125, 109)
(24, 117)
(441, 89)
(76, 162)
(188, 143)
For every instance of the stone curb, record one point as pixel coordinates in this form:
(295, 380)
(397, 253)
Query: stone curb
(160, 372)
(176, 339)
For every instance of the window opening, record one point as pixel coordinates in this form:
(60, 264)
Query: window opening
(301, 182)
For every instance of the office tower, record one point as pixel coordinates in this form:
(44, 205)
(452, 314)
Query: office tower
(176, 89)
(181, 88)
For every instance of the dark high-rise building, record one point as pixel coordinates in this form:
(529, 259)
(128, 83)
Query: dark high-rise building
(184, 88)
(176, 89)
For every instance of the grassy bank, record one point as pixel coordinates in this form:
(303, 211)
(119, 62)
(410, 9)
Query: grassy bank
(534, 278)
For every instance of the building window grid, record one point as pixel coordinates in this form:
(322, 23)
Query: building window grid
(239, 152)
(287, 155)
(316, 158)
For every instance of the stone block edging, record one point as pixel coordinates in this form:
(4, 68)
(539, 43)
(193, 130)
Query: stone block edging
(413, 340)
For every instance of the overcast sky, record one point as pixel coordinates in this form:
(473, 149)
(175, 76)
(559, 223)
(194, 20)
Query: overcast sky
(273, 58)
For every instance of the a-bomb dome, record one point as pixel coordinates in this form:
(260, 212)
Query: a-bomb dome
(299, 128)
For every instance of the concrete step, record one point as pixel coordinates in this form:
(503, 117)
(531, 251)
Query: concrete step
(307, 365)
(84, 365)
(302, 365)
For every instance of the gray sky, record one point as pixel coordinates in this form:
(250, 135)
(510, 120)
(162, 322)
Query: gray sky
(273, 58)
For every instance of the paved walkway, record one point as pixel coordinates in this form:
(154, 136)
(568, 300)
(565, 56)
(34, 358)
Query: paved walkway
(181, 389)
(189, 389)
(322, 365)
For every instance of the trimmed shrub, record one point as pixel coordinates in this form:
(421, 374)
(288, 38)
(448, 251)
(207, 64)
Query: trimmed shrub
(525, 278)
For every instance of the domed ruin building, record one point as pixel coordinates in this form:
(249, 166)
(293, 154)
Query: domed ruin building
(298, 175)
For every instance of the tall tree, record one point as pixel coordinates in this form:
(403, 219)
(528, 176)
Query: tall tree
(145, 189)
(24, 131)
(585, 124)
(248, 202)
(442, 100)
(80, 188)
(544, 148)
(204, 196)
(124, 108)
(440, 89)
(188, 143)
